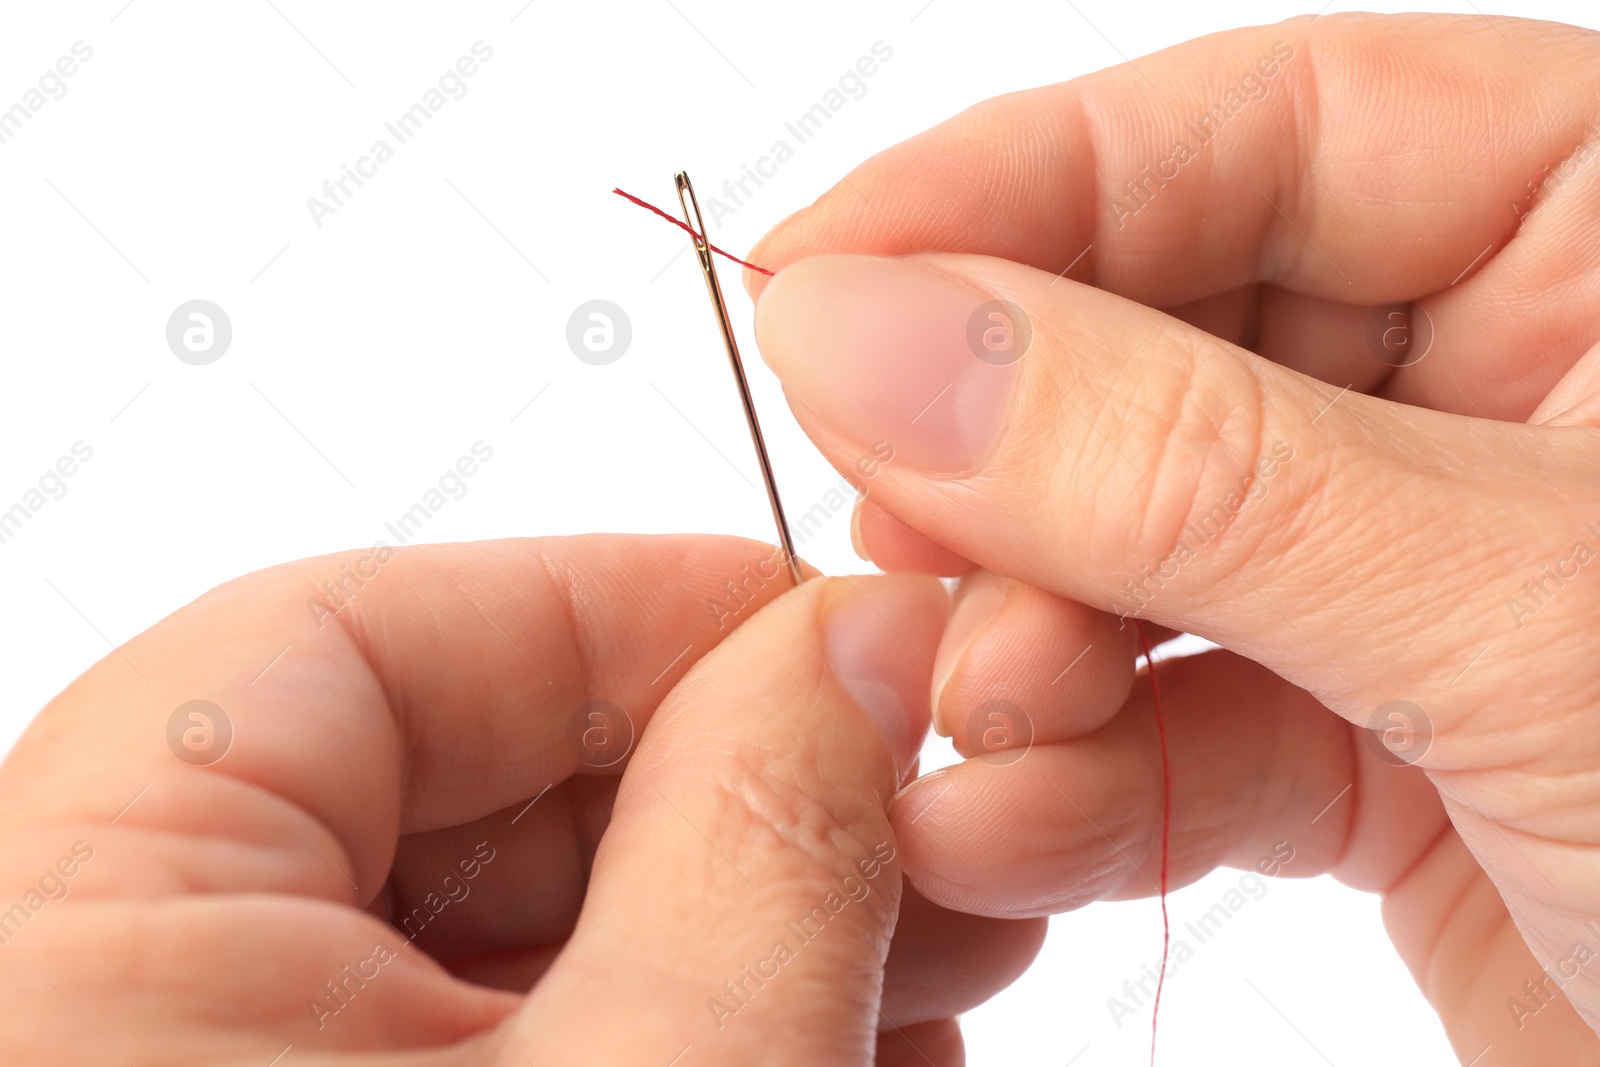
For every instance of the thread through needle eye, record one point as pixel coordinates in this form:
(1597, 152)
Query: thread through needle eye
(708, 267)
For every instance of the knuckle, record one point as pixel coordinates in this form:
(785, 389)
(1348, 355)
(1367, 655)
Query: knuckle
(1184, 426)
(774, 827)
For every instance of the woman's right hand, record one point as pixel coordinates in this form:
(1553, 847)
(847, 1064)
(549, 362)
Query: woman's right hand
(1252, 467)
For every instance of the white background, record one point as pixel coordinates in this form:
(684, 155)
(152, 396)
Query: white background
(427, 312)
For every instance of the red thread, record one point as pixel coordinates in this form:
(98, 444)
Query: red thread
(686, 228)
(1166, 830)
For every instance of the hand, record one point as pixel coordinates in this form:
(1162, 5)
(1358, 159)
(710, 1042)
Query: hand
(401, 810)
(1348, 549)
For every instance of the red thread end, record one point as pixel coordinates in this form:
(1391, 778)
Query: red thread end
(686, 228)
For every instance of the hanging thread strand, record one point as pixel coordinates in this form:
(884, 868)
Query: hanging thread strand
(1166, 829)
(686, 228)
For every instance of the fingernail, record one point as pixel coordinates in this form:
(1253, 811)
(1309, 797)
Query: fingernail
(880, 642)
(856, 541)
(977, 607)
(889, 350)
(1575, 400)
(917, 796)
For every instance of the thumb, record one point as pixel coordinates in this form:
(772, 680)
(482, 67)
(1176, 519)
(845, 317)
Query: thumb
(743, 896)
(1117, 456)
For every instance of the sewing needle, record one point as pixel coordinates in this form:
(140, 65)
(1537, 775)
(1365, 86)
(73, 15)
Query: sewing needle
(708, 267)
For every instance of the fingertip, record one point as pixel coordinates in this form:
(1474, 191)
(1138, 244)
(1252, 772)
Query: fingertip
(918, 795)
(944, 962)
(755, 281)
(931, 1044)
(890, 349)
(881, 634)
(977, 605)
(771, 252)
(881, 538)
(857, 541)
(1018, 665)
(1575, 400)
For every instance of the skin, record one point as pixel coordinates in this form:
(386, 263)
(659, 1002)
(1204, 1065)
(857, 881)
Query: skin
(1390, 165)
(385, 746)
(420, 742)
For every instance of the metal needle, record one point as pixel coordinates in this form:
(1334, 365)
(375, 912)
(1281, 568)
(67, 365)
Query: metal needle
(708, 267)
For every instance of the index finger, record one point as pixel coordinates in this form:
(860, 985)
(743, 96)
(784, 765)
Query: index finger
(1361, 160)
(349, 699)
